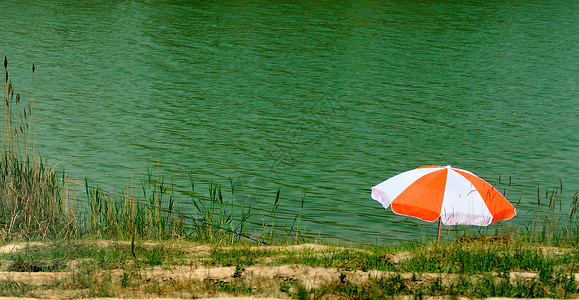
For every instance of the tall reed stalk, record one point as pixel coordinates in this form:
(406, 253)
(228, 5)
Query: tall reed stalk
(31, 206)
(555, 220)
(152, 211)
(126, 215)
(556, 223)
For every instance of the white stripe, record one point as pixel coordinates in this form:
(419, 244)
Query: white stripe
(462, 204)
(388, 190)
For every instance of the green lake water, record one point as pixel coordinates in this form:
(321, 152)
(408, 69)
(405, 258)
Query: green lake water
(318, 98)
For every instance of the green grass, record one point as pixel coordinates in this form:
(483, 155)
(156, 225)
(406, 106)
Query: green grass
(486, 278)
(51, 258)
(12, 288)
(109, 269)
(474, 259)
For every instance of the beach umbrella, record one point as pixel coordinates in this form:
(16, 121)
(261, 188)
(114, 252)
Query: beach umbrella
(451, 195)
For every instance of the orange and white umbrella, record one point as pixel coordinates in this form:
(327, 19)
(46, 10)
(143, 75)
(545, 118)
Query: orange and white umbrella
(457, 196)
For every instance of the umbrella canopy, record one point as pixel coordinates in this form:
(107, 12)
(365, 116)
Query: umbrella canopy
(457, 196)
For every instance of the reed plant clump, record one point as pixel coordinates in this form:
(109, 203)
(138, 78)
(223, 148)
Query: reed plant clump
(219, 220)
(223, 219)
(554, 215)
(31, 205)
(152, 211)
(557, 219)
(147, 213)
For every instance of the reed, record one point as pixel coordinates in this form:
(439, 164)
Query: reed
(556, 224)
(31, 205)
(554, 215)
(264, 225)
(154, 212)
(35, 204)
(123, 216)
(215, 209)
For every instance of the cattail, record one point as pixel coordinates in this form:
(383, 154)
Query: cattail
(25, 113)
(17, 97)
(9, 87)
(6, 76)
(33, 68)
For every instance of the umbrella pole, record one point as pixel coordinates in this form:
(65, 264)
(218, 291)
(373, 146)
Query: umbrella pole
(439, 226)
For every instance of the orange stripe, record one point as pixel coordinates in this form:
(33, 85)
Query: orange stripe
(497, 204)
(72, 182)
(423, 198)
